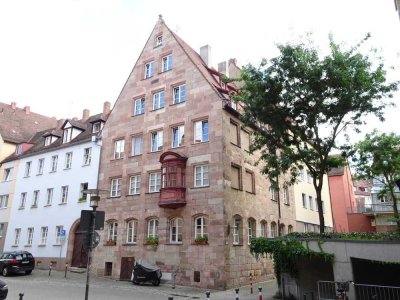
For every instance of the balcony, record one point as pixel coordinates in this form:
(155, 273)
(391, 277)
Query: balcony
(172, 197)
(378, 208)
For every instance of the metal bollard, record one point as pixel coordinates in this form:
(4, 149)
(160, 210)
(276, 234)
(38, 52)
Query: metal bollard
(237, 294)
(66, 270)
(259, 293)
(174, 276)
(21, 296)
(251, 283)
(51, 265)
(208, 295)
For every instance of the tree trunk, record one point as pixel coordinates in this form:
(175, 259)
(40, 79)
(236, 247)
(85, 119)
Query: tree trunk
(318, 190)
(395, 210)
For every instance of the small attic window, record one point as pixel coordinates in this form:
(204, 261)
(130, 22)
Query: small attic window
(47, 140)
(67, 135)
(158, 40)
(96, 127)
(18, 150)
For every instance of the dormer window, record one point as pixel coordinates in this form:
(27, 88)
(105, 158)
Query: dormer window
(67, 135)
(18, 150)
(47, 140)
(158, 40)
(96, 127)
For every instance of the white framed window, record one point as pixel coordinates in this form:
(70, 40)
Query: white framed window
(35, 200)
(137, 145)
(87, 156)
(28, 169)
(263, 229)
(68, 160)
(156, 140)
(54, 161)
(67, 135)
(47, 140)
(178, 134)
(154, 182)
(159, 40)
(152, 228)
(29, 236)
(7, 174)
(166, 63)
(134, 185)
(131, 231)
(237, 230)
(22, 200)
(96, 127)
(115, 187)
(83, 196)
(201, 176)
(304, 200)
(175, 230)
(49, 196)
(286, 196)
(140, 105)
(311, 202)
(17, 236)
(149, 69)
(251, 230)
(3, 201)
(201, 131)
(274, 230)
(59, 228)
(200, 227)
(158, 100)
(112, 231)
(64, 194)
(179, 94)
(43, 235)
(18, 149)
(40, 166)
(119, 149)
(274, 193)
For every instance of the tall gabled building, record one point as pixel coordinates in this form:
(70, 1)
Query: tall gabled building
(183, 191)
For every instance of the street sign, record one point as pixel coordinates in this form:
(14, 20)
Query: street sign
(63, 233)
(86, 215)
(95, 240)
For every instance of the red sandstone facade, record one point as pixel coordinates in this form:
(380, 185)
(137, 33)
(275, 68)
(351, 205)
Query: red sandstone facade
(194, 183)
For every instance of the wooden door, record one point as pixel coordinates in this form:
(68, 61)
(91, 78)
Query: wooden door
(127, 264)
(79, 254)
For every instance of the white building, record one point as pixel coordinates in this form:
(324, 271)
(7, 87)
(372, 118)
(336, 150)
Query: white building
(48, 198)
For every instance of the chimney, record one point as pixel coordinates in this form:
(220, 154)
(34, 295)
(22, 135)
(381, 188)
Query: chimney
(106, 108)
(222, 68)
(13, 105)
(205, 54)
(27, 110)
(85, 114)
(233, 69)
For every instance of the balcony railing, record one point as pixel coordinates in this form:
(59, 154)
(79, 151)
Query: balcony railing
(374, 208)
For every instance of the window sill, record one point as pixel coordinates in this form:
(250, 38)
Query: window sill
(237, 189)
(158, 109)
(138, 115)
(39, 174)
(129, 244)
(57, 245)
(33, 206)
(82, 201)
(27, 245)
(27, 176)
(47, 205)
(116, 159)
(64, 203)
(41, 245)
(135, 155)
(151, 193)
(132, 195)
(287, 204)
(158, 151)
(174, 148)
(65, 169)
(199, 187)
(237, 245)
(166, 71)
(3, 207)
(237, 145)
(52, 172)
(113, 197)
(174, 104)
(251, 193)
(174, 244)
(200, 143)
(148, 77)
(21, 207)
(86, 165)
(14, 246)
(274, 200)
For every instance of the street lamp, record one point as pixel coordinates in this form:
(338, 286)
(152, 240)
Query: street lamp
(94, 203)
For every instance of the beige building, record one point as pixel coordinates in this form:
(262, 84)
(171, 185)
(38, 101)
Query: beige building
(183, 192)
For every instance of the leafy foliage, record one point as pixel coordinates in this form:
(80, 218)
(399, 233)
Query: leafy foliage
(301, 102)
(378, 157)
(368, 236)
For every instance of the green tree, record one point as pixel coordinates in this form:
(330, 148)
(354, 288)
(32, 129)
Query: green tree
(378, 157)
(301, 101)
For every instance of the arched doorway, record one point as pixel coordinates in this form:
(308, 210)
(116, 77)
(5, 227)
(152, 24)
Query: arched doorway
(79, 256)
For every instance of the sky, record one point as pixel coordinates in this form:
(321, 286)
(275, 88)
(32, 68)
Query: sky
(62, 56)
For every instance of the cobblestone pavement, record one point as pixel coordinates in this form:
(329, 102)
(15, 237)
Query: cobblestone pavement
(39, 285)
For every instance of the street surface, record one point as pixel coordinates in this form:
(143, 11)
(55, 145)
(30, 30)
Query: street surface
(39, 286)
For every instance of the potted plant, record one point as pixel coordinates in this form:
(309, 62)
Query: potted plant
(111, 243)
(201, 240)
(152, 241)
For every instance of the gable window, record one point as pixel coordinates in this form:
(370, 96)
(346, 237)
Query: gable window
(43, 235)
(28, 169)
(58, 234)
(201, 176)
(201, 131)
(304, 200)
(35, 198)
(159, 40)
(179, 94)
(83, 196)
(3, 201)
(249, 182)
(96, 127)
(166, 63)
(131, 231)
(156, 141)
(152, 228)
(137, 144)
(154, 182)
(200, 227)
(18, 149)
(47, 140)
(234, 133)
(175, 230)
(22, 201)
(30, 236)
(286, 196)
(67, 135)
(64, 194)
(149, 69)
(87, 156)
(68, 160)
(112, 231)
(178, 134)
(236, 177)
(237, 230)
(119, 149)
(115, 187)
(7, 174)
(251, 230)
(134, 185)
(54, 160)
(17, 236)
(140, 105)
(158, 100)
(40, 166)
(49, 196)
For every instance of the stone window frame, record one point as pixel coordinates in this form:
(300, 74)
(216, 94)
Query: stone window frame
(237, 230)
(180, 230)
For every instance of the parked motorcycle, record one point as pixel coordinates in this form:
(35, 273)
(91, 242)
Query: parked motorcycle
(146, 272)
